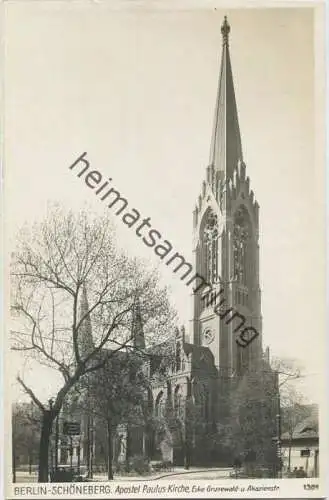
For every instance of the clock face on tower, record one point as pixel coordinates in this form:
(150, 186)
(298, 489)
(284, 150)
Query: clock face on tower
(208, 336)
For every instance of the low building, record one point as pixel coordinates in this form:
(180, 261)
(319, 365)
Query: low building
(301, 447)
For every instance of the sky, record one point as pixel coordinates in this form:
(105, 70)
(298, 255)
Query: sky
(136, 90)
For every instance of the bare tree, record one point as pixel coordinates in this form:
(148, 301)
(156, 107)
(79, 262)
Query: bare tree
(291, 409)
(288, 370)
(52, 267)
(294, 411)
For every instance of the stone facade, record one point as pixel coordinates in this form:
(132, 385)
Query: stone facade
(189, 403)
(226, 255)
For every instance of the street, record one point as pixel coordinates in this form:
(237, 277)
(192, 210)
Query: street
(196, 473)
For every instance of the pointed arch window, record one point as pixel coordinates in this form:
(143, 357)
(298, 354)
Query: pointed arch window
(178, 401)
(202, 404)
(241, 236)
(159, 405)
(210, 242)
(178, 357)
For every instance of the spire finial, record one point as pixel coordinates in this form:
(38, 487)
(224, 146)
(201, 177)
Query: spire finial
(225, 31)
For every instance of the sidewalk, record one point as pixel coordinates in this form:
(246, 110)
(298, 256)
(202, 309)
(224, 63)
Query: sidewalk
(175, 471)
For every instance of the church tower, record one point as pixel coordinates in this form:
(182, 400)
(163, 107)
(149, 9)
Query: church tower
(85, 338)
(137, 332)
(225, 238)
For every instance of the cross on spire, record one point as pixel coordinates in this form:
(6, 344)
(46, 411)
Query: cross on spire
(225, 31)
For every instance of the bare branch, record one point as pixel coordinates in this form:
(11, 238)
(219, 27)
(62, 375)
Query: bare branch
(30, 393)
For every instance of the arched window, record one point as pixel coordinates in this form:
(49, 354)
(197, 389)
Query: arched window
(178, 401)
(149, 401)
(159, 405)
(241, 237)
(210, 245)
(178, 357)
(188, 383)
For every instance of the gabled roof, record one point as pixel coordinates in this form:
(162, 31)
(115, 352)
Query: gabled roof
(202, 358)
(197, 350)
(308, 428)
(160, 349)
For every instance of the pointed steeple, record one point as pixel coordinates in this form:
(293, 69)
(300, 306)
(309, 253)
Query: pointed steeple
(137, 332)
(86, 343)
(226, 149)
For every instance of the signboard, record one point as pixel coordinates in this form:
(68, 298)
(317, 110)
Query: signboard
(71, 428)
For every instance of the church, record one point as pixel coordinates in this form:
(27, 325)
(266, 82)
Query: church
(215, 400)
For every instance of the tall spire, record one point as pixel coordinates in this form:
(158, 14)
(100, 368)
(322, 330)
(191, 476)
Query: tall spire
(86, 343)
(137, 332)
(226, 149)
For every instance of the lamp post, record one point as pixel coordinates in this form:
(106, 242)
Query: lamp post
(90, 443)
(79, 459)
(71, 453)
(91, 450)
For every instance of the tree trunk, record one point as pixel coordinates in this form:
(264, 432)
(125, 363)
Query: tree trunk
(187, 461)
(46, 428)
(30, 462)
(128, 450)
(316, 463)
(86, 453)
(110, 450)
(14, 461)
(56, 442)
(148, 441)
(185, 447)
(289, 457)
(188, 445)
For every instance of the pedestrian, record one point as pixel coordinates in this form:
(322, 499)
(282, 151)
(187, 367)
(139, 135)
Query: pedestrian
(237, 464)
(301, 472)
